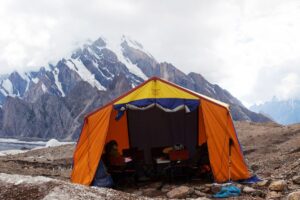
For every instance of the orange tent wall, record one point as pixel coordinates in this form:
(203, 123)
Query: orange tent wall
(118, 130)
(201, 127)
(90, 146)
(219, 129)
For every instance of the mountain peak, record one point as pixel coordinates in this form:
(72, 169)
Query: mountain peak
(131, 42)
(55, 98)
(99, 43)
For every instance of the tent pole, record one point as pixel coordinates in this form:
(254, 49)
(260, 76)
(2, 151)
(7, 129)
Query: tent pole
(229, 160)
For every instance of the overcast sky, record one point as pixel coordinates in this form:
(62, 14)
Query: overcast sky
(251, 48)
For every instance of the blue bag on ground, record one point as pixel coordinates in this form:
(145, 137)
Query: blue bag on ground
(102, 178)
(228, 191)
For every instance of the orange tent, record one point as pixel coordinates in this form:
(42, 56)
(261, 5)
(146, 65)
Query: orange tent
(213, 125)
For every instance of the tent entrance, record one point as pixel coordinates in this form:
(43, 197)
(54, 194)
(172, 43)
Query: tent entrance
(156, 128)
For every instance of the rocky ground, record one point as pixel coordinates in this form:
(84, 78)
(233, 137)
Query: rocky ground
(271, 151)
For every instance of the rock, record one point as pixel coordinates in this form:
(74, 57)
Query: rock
(294, 195)
(262, 183)
(259, 193)
(166, 188)
(206, 190)
(200, 194)
(274, 195)
(248, 190)
(296, 179)
(199, 188)
(179, 192)
(239, 185)
(279, 185)
(149, 191)
(138, 193)
(254, 167)
(202, 198)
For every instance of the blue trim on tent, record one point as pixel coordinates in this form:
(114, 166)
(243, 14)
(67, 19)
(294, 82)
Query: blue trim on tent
(169, 103)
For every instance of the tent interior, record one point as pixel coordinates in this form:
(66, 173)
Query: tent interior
(155, 127)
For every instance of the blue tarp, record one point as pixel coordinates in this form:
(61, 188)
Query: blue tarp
(102, 178)
(228, 191)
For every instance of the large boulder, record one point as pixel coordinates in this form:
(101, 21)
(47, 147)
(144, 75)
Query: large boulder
(294, 195)
(179, 192)
(248, 190)
(274, 195)
(278, 185)
(296, 179)
(262, 183)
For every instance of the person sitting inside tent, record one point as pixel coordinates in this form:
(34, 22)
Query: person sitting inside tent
(102, 177)
(201, 160)
(112, 155)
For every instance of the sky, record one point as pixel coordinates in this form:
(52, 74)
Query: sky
(249, 47)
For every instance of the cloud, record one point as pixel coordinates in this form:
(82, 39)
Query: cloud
(282, 81)
(238, 43)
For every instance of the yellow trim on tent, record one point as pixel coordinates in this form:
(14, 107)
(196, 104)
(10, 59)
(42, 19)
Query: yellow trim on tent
(156, 89)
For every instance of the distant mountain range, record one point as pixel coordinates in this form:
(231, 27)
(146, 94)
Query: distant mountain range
(282, 111)
(52, 101)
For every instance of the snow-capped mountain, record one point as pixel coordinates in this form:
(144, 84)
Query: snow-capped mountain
(282, 111)
(52, 101)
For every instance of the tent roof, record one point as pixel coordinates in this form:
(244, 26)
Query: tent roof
(151, 89)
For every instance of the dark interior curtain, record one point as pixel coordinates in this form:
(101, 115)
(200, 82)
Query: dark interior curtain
(157, 128)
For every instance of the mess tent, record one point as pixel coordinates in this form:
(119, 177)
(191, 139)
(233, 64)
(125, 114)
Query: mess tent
(160, 113)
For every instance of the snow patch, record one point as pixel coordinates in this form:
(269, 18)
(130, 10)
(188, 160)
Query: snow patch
(96, 65)
(25, 77)
(44, 88)
(18, 179)
(11, 152)
(57, 82)
(93, 53)
(211, 88)
(84, 73)
(15, 141)
(35, 80)
(40, 145)
(118, 50)
(55, 143)
(134, 44)
(7, 87)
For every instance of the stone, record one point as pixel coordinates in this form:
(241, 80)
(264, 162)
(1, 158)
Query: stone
(200, 188)
(294, 195)
(262, 183)
(248, 190)
(200, 194)
(149, 191)
(279, 185)
(206, 190)
(138, 193)
(296, 179)
(239, 185)
(179, 192)
(274, 195)
(254, 167)
(258, 193)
